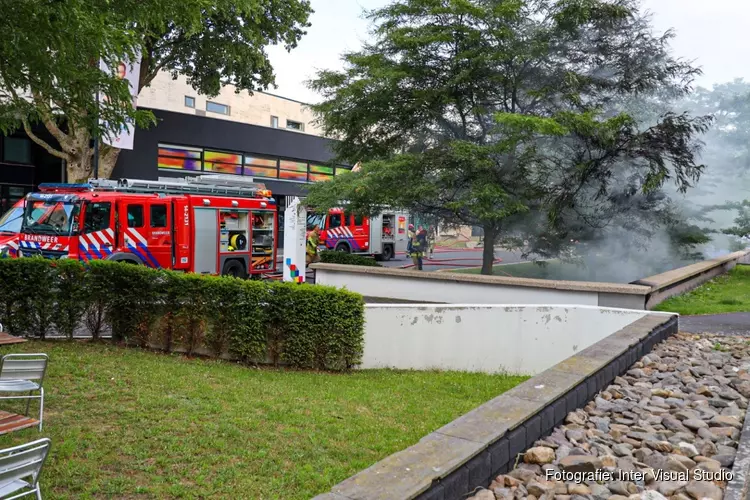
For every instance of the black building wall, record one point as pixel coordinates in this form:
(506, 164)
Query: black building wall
(197, 131)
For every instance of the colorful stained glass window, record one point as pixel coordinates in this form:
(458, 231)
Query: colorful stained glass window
(289, 175)
(293, 165)
(292, 170)
(320, 177)
(260, 167)
(342, 170)
(321, 169)
(223, 163)
(179, 157)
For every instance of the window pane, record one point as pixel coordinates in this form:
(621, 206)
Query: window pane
(294, 125)
(293, 176)
(158, 216)
(225, 163)
(275, 121)
(96, 217)
(321, 169)
(260, 162)
(135, 215)
(189, 101)
(179, 152)
(16, 150)
(260, 167)
(215, 156)
(293, 165)
(181, 158)
(223, 168)
(260, 171)
(215, 107)
(342, 170)
(334, 221)
(358, 220)
(320, 177)
(179, 163)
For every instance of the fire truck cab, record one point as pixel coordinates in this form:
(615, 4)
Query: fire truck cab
(381, 236)
(209, 224)
(10, 227)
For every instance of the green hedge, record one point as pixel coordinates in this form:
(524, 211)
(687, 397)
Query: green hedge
(304, 326)
(332, 257)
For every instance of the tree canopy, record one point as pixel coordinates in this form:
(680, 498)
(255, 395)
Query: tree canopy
(509, 116)
(50, 53)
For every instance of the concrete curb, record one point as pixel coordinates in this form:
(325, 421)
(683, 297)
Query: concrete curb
(737, 489)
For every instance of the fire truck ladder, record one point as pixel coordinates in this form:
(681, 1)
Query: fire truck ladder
(219, 185)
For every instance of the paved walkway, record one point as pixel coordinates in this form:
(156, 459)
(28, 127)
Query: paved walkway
(724, 324)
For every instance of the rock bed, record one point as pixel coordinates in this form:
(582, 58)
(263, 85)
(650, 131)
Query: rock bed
(668, 428)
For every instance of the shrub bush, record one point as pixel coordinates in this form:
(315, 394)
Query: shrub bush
(304, 326)
(69, 288)
(331, 257)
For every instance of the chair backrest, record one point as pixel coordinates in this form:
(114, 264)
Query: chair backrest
(23, 461)
(24, 367)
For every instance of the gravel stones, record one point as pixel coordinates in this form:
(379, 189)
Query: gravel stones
(667, 429)
(539, 455)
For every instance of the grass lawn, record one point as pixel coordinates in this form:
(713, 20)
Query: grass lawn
(127, 423)
(726, 293)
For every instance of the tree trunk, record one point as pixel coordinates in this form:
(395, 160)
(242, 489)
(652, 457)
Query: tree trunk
(81, 168)
(76, 149)
(488, 253)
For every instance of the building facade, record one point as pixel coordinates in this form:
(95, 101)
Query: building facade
(269, 138)
(260, 108)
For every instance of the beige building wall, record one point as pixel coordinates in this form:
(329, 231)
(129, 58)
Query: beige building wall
(257, 109)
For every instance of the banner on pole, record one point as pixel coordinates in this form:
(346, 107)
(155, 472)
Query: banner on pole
(130, 72)
(295, 239)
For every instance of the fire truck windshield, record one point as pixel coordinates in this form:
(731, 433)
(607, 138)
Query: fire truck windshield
(314, 219)
(51, 217)
(11, 221)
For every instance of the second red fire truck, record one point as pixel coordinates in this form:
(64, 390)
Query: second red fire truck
(209, 224)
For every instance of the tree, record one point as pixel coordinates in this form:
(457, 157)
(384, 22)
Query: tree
(50, 53)
(503, 114)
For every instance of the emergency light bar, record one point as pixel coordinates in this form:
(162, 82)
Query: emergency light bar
(54, 186)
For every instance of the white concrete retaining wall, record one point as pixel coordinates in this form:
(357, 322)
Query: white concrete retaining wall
(456, 288)
(521, 339)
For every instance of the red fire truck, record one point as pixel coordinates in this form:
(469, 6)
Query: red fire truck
(209, 224)
(10, 226)
(381, 236)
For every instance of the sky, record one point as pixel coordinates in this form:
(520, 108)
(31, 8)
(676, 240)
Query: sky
(711, 33)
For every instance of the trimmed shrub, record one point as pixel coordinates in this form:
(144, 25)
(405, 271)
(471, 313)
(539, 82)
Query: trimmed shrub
(331, 257)
(133, 296)
(70, 301)
(304, 326)
(12, 290)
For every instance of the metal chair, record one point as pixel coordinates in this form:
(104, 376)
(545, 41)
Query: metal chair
(24, 373)
(20, 468)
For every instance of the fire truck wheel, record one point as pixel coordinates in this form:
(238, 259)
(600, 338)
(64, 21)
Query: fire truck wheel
(387, 252)
(343, 247)
(234, 268)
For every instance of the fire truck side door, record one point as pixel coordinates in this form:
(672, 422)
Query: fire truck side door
(158, 231)
(97, 237)
(361, 230)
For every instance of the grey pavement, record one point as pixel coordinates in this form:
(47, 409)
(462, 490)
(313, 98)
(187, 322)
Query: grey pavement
(444, 258)
(723, 324)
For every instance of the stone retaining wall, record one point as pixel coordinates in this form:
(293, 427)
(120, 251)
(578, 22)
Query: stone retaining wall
(473, 449)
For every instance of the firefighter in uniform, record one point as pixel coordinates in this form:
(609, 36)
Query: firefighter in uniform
(417, 246)
(313, 240)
